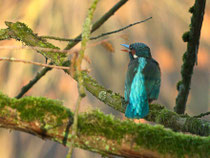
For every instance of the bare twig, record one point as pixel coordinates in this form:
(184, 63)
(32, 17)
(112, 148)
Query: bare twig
(32, 82)
(99, 36)
(100, 22)
(34, 63)
(37, 49)
(60, 39)
(119, 30)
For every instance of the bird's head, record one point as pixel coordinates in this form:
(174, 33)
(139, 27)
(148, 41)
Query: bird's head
(136, 50)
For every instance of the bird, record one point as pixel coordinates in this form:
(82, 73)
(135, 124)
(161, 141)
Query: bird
(143, 79)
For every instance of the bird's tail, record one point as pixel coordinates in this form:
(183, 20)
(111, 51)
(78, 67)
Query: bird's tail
(137, 111)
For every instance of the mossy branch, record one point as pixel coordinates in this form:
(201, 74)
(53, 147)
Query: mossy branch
(81, 89)
(87, 26)
(192, 38)
(202, 114)
(4, 35)
(97, 132)
(157, 113)
(21, 32)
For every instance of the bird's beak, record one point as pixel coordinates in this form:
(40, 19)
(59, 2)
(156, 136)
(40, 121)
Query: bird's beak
(126, 46)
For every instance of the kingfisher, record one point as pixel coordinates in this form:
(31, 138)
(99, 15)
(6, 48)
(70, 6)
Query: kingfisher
(142, 83)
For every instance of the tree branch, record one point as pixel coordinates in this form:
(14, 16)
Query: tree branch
(34, 63)
(157, 113)
(48, 119)
(98, 23)
(99, 36)
(202, 114)
(21, 32)
(5, 35)
(190, 56)
(32, 82)
(81, 89)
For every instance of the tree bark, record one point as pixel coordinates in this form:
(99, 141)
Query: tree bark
(97, 132)
(190, 56)
(158, 114)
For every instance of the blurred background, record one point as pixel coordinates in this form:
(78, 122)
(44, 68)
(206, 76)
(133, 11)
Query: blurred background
(64, 18)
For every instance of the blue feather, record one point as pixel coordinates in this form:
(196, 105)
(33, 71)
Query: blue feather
(138, 106)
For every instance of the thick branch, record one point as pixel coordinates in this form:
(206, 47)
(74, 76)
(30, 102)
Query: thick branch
(97, 132)
(190, 56)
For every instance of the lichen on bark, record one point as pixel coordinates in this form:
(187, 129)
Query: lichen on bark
(98, 132)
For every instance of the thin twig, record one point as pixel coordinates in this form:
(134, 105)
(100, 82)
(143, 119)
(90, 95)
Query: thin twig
(96, 25)
(37, 49)
(99, 36)
(202, 114)
(60, 39)
(74, 127)
(32, 82)
(100, 22)
(81, 89)
(121, 29)
(34, 63)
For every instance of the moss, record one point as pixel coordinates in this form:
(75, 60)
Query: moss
(184, 59)
(151, 137)
(4, 34)
(99, 123)
(107, 96)
(4, 100)
(22, 32)
(178, 85)
(154, 111)
(194, 124)
(166, 141)
(187, 66)
(185, 36)
(33, 108)
(191, 10)
(168, 118)
(107, 127)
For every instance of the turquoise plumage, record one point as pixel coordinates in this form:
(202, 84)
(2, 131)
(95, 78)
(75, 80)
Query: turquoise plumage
(142, 84)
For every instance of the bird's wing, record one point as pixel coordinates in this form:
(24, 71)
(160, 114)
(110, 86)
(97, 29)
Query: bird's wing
(138, 106)
(132, 69)
(152, 74)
